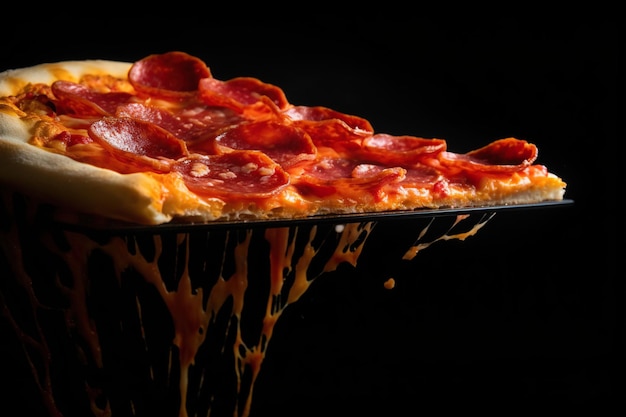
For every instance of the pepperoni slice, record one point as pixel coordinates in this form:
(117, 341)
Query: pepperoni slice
(283, 143)
(191, 124)
(157, 115)
(77, 99)
(333, 133)
(241, 93)
(237, 174)
(350, 178)
(173, 75)
(501, 156)
(320, 113)
(423, 177)
(400, 150)
(138, 140)
(330, 128)
(509, 151)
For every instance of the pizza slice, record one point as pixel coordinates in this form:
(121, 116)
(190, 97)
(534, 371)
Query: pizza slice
(162, 140)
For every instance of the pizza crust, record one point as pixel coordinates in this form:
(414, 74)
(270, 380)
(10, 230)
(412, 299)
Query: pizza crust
(57, 179)
(12, 81)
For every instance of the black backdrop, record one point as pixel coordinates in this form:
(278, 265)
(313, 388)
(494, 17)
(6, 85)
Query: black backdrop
(531, 309)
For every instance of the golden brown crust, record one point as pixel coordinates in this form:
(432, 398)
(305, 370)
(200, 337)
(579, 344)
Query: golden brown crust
(58, 179)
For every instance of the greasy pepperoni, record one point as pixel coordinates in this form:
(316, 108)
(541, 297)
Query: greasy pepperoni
(77, 99)
(172, 75)
(421, 176)
(328, 169)
(400, 150)
(333, 133)
(189, 124)
(256, 88)
(248, 174)
(138, 140)
(157, 115)
(283, 143)
(348, 178)
(333, 169)
(501, 156)
(509, 151)
(319, 113)
(241, 93)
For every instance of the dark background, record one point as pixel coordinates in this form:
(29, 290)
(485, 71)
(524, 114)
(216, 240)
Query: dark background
(529, 310)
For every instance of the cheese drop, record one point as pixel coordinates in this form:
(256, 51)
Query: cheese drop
(186, 308)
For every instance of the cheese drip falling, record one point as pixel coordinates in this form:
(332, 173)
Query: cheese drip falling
(193, 313)
(420, 245)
